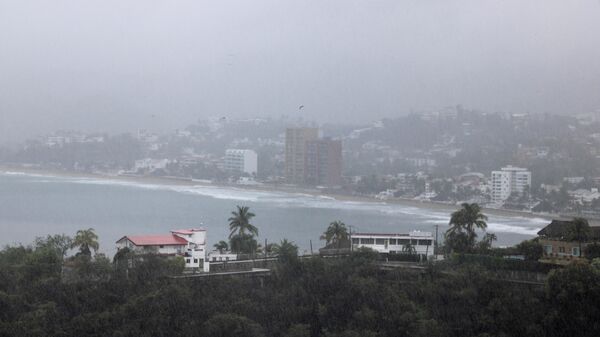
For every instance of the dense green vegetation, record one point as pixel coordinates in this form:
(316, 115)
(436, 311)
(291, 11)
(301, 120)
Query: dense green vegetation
(44, 293)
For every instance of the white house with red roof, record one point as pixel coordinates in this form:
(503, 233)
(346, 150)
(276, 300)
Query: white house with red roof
(188, 243)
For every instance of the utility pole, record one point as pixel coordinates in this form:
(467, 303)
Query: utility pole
(311, 251)
(351, 245)
(435, 248)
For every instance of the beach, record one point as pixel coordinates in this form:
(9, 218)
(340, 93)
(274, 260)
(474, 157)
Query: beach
(181, 181)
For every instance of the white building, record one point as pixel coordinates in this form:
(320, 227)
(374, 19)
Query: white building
(421, 242)
(150, 165)
(241, 161)
(188, 243)
(217, 256)
(509, 180)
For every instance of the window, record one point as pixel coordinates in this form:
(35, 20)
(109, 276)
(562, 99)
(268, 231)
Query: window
(414, 242)
(392, 241)
(355, 241)
(367, 241)
(561, 249)
(548, 249)
(195, 260)
(403, 241)
(161, 246)
(425, 242)
(214, 258)
(380, 241)
(575, 251)
(187, 260)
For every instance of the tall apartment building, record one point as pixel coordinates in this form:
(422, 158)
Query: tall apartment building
(509, 180)
(241, 161)
(295, 152)
(324, 162)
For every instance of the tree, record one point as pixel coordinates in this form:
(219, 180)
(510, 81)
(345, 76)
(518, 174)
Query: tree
(231, 325)
(486, 243)
(532, 250)
(579, 231)
(86, 239)
(286, 250)
(573, 294)
(243, 243)
(60, 243)
(592, 251)
(466, 220)
(336, 233)
(409, 249)
(240, 224)
(221, 246)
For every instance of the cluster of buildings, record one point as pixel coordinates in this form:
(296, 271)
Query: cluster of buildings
(187, 243)
(311, 159)
(62, 138)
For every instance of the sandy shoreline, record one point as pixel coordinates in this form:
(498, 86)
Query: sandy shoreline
(266, 188)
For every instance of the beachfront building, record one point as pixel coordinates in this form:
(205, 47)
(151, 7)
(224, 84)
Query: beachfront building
(415, 242)
(241, 161)
(188, 243)
(509, 180)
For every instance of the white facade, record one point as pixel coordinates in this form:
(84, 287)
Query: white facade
(422, 242)
(149, 164)
(217, 256)
(241, 161)
(509, 180)
(188, 243)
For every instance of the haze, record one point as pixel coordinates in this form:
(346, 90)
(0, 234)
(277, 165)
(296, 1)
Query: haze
(122, 65)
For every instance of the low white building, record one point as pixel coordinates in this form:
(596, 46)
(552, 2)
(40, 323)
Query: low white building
(217, 256)
(149, 164)
(188, 243)
(420, 242)
(241, 161)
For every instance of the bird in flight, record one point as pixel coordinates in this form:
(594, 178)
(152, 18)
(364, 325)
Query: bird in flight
(301, 107)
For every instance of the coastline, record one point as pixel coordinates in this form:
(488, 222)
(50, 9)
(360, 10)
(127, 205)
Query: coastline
(179, 181)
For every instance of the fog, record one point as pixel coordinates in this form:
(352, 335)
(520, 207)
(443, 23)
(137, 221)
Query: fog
(121, 65)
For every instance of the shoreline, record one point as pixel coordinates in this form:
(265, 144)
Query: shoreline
(180, 181)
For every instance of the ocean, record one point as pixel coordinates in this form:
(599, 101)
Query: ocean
(33, 205)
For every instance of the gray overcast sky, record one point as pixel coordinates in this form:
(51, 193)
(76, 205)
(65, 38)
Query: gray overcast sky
(110, 65)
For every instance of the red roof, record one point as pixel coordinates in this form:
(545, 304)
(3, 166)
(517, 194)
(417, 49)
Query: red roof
(156, 240)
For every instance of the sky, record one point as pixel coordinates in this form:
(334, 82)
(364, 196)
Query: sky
(115, 66)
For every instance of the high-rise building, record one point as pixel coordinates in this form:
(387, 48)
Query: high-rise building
(310, 160)
(509, 180)
(241, 161)
(295, 152)
(324, 162)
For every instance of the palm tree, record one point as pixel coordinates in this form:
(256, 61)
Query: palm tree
(86, 239)
(221, 246)
(467, 219)
(285, 250)
(239, 223)
(409, 249)
(579, 231)
(335, 233)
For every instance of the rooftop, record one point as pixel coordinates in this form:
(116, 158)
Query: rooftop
(559, 229)
(156, 240)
